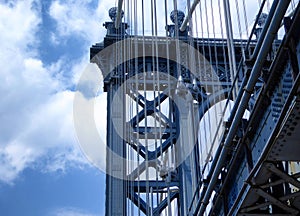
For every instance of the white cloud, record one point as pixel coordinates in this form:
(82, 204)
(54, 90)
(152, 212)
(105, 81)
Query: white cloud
(36, 116)
(14, 158)
(17, 22)
(76, 18)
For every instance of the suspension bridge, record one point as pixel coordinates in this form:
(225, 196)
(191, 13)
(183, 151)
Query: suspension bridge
(203, 107)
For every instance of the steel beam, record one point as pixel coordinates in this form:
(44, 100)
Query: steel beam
(276, 202)
(159, 186)
(265, 204)
(283, 175)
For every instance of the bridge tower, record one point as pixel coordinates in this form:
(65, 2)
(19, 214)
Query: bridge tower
(156, 96)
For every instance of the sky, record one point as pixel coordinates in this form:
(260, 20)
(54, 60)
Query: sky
(44, 50)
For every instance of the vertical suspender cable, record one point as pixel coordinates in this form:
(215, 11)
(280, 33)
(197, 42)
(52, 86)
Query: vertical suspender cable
(240, 30)
(191, 60)
(156, 74)
(245, 18)
(129, 112)
(129, 132)
(205, 71)
(136, 68)
(152, 68)
(208, 125)
(230, 45)
(146, 68)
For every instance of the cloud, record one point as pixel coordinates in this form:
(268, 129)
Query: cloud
(18, 20)
(35, 104)
(77, 18)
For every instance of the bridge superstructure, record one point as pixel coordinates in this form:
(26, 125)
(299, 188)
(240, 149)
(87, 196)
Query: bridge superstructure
(160, 87)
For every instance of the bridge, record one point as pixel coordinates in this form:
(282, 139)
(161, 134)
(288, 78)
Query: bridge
(202, 125)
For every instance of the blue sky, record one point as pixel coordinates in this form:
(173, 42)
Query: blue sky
(44, 49)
